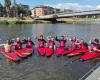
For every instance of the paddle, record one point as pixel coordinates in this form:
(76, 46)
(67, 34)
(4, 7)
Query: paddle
(69, 63)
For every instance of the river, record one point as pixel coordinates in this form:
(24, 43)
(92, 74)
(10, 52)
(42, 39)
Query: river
(43, 68)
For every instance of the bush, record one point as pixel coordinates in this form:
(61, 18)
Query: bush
(25, 22)
(3, 22)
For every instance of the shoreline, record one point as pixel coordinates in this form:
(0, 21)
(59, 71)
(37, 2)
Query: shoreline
(12, 21)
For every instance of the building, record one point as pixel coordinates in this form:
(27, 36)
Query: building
(40, 11)
(32, 11)
(46, 10)
(25, 6)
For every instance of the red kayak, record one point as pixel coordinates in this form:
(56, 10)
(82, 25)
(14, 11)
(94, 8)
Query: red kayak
(89, 55)
(49, 51)
(10, 55)
(41, 51)
(77, 52)
(28, 51)
(59, 51)
(20, 53)
(66, 52)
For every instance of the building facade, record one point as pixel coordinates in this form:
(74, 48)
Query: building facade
(32, 11)
(40, 11)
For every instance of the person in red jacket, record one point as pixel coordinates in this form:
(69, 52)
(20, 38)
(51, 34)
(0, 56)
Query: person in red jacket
(96, 45)
(42, 41)
(62, 42)
(51, 43)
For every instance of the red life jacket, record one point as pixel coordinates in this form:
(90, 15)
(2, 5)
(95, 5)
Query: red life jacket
(29, 44)
(73, 44)
(51, 43)
(62, 44)
(83, 47)
(18, 45)
(95, 47)
(41, 44)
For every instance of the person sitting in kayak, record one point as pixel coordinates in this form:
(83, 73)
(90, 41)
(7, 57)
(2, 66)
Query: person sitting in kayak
(73, 46)
(29, 43)
(51, 43)
(62, 42)
(96, 45)
(74, 42)
(19, 44)
(41, 41)
(8, 46)
(82, 45)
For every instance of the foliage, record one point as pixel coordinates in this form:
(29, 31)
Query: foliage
(1, 7)
(7, 4)
(3, 22)
(51, 12)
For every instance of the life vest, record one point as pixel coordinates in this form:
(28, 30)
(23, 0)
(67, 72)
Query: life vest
(83, 47)
(94, 47)
(41, 44)
(62, 44)
(51, 44)
(18, 45)
(29, 44)
(73, 44)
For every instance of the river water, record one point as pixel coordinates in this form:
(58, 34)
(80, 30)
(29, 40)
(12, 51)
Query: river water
(39, 67)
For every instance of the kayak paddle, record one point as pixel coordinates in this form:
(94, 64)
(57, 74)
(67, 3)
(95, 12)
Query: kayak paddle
(68, 63)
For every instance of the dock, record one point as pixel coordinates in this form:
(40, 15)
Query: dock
(93, 74)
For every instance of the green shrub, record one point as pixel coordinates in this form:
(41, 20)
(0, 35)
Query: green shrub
(3, 22)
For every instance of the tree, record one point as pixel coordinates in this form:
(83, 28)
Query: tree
(24, 11)
(7, 4)
(51, 12)
(1, 9)
(1, 6)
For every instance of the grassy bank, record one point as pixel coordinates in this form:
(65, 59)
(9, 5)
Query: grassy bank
(25, 20)
(28, 20)
(73, 20)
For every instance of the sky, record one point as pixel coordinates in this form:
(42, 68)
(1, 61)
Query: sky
(63, 4)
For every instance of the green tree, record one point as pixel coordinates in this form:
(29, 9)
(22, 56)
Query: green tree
(1, 9)
(23, 11)
(51, 12)
(7, 4)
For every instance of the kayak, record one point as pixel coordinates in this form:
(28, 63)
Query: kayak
(41, 51)
(66, 52)
(59, 51)
(20, 53)
(49, 51)
(28, 51)
(89, 55)
(10, 55)
(76, 52)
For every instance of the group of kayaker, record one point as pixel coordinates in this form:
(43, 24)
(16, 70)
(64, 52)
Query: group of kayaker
(77, 46)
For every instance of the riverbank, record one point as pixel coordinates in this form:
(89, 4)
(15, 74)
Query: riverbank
(28, 20)
(71, 20)
(25, 20)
